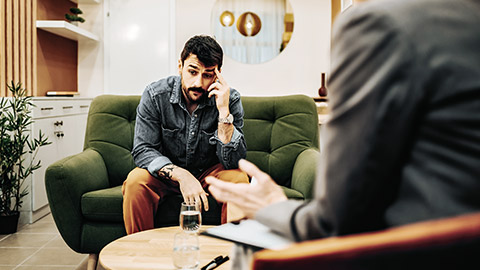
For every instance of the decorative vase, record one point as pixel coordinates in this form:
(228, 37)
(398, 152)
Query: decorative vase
(9, 224)
(322, 92)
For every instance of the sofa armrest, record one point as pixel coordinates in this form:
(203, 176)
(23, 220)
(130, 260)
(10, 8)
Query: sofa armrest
(66, 181)
(437, 244)
(304, 172)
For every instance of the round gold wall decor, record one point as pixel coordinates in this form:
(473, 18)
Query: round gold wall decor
(249, 24)
(227, 18)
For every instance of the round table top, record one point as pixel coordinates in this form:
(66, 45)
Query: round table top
(153, 249)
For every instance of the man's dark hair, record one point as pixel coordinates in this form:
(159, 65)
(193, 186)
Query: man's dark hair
(207, 50)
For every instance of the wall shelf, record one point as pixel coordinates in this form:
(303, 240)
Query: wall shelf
(65, 29)
(86, 1)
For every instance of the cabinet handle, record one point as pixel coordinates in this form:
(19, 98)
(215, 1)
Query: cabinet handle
(83, 106)
(67, 107)
(46, 108)
(59, 133)
(58, 123)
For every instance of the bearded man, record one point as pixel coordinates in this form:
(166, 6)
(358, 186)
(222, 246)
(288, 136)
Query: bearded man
(187, 127)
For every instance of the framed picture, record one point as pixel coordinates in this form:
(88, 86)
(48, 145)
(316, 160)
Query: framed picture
(346, 4)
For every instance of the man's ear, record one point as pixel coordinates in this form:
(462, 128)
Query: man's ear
(180, 66)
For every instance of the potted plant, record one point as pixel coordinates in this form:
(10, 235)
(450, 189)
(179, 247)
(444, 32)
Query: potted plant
(74, 19)
(15, 142)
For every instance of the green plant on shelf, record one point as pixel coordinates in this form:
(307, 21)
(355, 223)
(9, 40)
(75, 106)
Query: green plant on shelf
(75, 18)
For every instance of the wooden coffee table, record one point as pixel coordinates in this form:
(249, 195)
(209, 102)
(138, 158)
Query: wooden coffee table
(153, 249)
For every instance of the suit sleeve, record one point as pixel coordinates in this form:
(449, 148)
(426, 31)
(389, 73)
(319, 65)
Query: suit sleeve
(373, 101)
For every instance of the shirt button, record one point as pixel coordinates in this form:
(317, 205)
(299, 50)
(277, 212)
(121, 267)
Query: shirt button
(193, 133)
(195, 115)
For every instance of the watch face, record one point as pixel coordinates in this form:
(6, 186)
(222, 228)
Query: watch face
(230, 118)
(226, 120)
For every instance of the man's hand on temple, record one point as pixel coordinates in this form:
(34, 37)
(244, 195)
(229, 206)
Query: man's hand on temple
(249, 198)
(221, 90)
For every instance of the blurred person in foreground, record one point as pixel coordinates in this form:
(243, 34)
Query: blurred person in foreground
(403, 138)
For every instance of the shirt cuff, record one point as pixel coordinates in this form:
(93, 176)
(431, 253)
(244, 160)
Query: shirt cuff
(234, 141)
(157, 164)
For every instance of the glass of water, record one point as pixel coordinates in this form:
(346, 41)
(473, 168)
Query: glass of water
(190, 217)
(186, 251)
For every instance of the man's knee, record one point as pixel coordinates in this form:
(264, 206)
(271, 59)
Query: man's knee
(234, 176)
(136, 178)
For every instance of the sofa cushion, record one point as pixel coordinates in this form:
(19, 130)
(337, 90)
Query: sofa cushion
(103, 205)
(292, 193)
(106, 205)
(277, 130)
(110, 131)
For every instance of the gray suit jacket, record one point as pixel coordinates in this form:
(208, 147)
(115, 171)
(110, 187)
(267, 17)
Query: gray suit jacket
(403, 140)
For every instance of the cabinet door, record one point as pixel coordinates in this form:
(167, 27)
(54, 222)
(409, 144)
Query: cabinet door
(67, 135)
(47, 155)
(72, 134)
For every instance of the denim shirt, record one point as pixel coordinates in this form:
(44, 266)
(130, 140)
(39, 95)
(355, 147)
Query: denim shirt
(166, 133)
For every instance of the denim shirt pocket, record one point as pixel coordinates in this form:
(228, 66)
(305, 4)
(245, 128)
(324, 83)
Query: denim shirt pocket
(171, 142)
(206, 148)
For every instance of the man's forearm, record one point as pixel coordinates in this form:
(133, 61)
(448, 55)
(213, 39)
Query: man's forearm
(225, 132)
(167, 171)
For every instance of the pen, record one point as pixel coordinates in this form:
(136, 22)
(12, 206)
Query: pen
(217, 264)
(214, 261)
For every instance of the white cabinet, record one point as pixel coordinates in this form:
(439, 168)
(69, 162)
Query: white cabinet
(63, 121)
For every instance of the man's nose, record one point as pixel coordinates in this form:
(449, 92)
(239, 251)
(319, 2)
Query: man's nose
(198, 81)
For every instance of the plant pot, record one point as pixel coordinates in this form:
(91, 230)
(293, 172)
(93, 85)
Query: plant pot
(9, 224)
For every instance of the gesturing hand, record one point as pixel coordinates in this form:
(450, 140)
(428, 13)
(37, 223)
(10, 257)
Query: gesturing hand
(249, 198)
(221, 90)
(190, 188)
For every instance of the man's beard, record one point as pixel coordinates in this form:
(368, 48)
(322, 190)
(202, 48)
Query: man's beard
(195, 89)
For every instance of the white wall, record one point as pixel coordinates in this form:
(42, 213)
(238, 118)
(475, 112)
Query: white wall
(129, 66)
(138, 44)
(90, 53)
(295, 71)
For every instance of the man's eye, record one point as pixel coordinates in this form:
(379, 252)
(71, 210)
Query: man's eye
(208, 76)
(193, 72)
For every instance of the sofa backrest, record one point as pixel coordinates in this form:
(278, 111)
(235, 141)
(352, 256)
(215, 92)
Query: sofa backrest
(276, 130)
(110, 129)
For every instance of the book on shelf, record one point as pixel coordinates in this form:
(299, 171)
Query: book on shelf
(62, 93)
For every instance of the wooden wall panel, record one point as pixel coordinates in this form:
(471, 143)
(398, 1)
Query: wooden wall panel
(9, 42)
(28, 45)
(2, 49)
(16, 50)
(16, 41)
(34, 47)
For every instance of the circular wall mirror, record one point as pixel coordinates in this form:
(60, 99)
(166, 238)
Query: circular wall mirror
(252, 31)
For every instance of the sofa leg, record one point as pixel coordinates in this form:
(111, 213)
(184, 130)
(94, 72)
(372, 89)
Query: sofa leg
(92, 261)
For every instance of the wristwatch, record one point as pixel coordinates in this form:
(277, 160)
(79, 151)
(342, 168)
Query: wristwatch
(226, 120)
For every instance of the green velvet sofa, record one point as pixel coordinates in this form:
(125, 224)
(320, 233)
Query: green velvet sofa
(84, 190)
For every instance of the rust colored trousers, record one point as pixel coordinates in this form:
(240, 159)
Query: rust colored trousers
(142, 193)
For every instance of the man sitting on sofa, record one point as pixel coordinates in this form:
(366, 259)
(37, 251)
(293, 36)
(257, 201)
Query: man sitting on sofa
(187, 127)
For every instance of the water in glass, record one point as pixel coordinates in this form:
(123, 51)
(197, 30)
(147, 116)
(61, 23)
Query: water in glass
(186, 251)
(190, 217)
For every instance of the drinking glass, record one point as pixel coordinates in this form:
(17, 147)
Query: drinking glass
(190, 217)
(186, 251)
